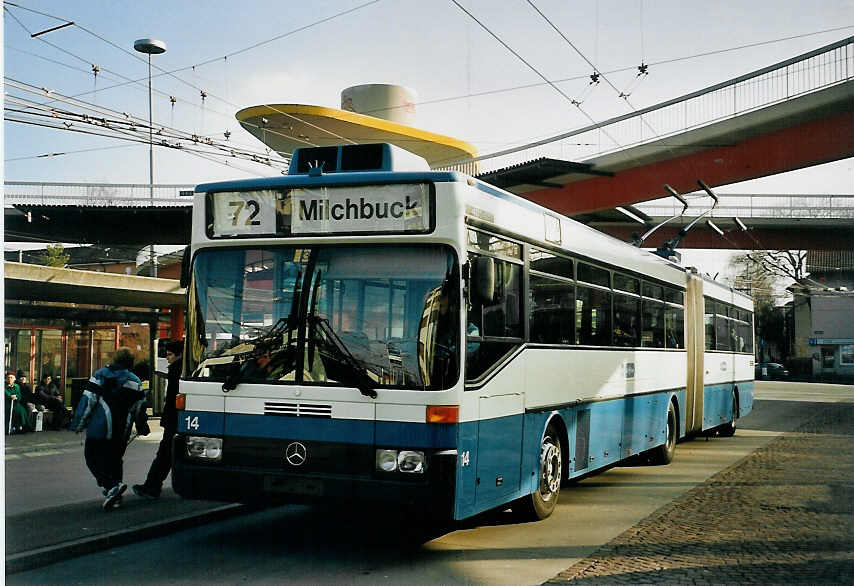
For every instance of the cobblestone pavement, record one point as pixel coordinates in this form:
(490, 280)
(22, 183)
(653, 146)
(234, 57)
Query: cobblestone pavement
(782, 515)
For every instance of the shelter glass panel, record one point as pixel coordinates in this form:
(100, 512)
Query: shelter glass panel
(49, 354)
(78, 354)
(103, 347)
(17, 349)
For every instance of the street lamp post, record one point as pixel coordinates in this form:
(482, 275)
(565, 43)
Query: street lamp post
(150, 47)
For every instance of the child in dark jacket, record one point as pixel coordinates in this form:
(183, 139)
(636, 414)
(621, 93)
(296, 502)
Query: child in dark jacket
(112, 404)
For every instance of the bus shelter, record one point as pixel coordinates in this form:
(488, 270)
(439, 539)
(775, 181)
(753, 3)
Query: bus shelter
(67, 323)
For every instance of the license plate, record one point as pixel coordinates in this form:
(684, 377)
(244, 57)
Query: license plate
(301, 486)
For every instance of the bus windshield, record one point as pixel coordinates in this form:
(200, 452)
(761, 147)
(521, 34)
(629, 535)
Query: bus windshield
(363, 316)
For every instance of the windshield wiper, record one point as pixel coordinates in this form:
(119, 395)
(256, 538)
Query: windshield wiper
(270, 341)
(362, 381)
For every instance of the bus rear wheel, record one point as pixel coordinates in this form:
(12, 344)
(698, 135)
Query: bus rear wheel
(664, 453)
(728, 429)
(542, 502)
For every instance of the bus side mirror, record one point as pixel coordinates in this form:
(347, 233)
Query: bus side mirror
(185, 268)
(483, 278)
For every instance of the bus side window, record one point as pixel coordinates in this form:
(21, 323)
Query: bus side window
(709, 320)
(489, 322)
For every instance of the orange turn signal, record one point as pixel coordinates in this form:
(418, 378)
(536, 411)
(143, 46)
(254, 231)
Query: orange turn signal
(180, 402)
(443, 413)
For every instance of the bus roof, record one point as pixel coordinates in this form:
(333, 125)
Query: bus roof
(355, 178)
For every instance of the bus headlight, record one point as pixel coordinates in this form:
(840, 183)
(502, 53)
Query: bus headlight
(387, 460)
(405, 461)
(410, 462)
(204, 448)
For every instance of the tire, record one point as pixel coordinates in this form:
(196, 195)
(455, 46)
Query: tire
(728, 429)
(664, 453)
(542, 502)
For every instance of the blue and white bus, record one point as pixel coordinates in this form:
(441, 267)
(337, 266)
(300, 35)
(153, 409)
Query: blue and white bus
(366, 329)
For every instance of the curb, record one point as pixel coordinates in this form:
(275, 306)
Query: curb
(45, 556)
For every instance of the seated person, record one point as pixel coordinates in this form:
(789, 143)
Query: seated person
(28, 399)
(49, 396)
(15, 415)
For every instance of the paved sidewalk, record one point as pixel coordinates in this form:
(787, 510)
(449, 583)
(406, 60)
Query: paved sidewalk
(39, 536)
(782, 515)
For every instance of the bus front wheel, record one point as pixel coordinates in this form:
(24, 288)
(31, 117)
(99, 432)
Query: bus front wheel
(542, 502)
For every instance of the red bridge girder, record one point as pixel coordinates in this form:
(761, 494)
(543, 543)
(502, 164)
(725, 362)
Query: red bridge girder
(790, 238)
(801, 145)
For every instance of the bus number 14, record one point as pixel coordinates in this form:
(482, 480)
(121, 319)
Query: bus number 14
(192, 422)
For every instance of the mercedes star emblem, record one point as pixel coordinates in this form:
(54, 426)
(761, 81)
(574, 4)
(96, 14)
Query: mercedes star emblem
(296, 454)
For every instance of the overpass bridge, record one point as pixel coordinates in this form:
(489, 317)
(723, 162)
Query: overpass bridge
(792, 114)
(773, 221)
(99, 213)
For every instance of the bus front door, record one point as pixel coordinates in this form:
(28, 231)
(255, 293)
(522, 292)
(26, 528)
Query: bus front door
(499, 449)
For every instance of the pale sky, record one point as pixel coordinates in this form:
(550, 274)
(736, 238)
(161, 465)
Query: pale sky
(431, 46)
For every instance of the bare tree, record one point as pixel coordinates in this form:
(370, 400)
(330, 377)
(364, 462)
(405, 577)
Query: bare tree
(786, 264)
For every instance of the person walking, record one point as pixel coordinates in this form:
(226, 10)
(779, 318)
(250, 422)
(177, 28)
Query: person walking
(112, 403)
(159, 470)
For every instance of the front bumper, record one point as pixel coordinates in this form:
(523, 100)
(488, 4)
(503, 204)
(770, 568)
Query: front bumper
(254, 470)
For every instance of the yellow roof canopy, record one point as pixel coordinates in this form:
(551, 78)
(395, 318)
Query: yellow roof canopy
(284, 127)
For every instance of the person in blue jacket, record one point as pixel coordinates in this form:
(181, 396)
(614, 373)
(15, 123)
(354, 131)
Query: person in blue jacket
(111, 405)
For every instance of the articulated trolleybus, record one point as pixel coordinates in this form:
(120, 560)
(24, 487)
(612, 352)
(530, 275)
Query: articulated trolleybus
(365, 329)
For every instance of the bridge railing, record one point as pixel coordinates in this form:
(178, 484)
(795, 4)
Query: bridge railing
(757, 206)
(806, 73)
(96, 194)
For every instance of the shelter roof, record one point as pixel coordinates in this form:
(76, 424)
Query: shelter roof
(285, 127)
(40, 283)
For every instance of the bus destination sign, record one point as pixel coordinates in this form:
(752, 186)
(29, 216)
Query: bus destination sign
(374, 208)
(236, 213)
(398, 208)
